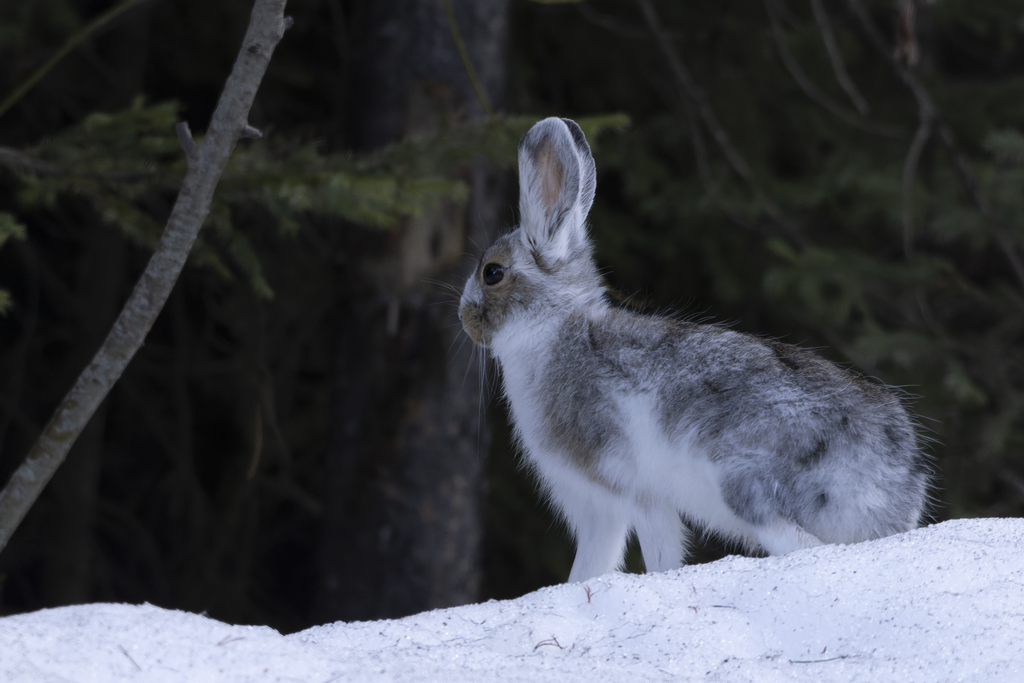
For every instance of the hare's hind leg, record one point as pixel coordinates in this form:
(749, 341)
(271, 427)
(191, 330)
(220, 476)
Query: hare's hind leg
(783, 536)
(663, 538)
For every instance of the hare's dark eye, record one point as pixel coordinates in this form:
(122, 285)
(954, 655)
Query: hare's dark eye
(493, 273)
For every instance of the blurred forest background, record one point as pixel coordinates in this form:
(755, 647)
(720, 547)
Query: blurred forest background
(306, 436)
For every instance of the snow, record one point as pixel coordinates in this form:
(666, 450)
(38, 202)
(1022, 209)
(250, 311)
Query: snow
(942, 603)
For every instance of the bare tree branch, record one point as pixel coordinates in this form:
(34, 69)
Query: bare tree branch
(467, 63)
(836, 57)
(187, 143)
(907, 50)
(250, 133)
(812, 90)
(611, 24)
(88, 30)
(787, 15)
(266, 27)
(924, 131)
(928, 110)
(692, 92)
(700, 151)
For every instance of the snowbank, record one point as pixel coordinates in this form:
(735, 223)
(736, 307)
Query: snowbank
(944, 603)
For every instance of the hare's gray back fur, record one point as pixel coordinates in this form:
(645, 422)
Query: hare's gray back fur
(791, 433)
(631, 420)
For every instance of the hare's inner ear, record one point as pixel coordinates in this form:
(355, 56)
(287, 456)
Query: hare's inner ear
(552, 210)
(549, 177)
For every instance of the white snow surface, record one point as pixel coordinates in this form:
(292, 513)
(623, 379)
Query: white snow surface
(942, 603)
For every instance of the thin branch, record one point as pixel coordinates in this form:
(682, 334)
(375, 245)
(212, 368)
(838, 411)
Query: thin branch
(929, 110)
(612, 24)
(836, 57)
(812, 90)
(924, 131)
(257, 443)
(187, 143)
(91, 28)
(700, 152)
(695, 95)
(787, 15)
(467, 63)
(250, 133)
(266, 27)
(692, 91)
(704, 171)
(907, 50)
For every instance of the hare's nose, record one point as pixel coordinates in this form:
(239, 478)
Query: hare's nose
(460, 316)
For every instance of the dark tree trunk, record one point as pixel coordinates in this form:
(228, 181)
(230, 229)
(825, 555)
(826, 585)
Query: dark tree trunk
(402, 525)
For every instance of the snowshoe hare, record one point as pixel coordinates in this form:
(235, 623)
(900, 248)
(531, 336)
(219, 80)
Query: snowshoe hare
(636, 421)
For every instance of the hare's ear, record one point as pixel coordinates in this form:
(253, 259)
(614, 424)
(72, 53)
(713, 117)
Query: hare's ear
(557, 179)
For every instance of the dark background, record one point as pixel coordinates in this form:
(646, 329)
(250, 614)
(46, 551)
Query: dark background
(306, 436)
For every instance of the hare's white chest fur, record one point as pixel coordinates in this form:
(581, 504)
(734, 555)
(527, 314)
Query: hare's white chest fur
(647, 466)
(631, 421)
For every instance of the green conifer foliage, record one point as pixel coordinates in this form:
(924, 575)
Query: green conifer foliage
(781, 192)
(129, 164)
